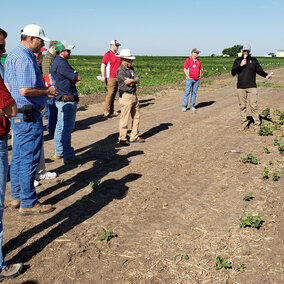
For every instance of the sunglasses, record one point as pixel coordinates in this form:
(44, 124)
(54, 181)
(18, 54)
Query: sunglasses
(2, 46)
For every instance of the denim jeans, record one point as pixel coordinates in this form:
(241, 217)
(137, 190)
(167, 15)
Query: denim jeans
(3, 179)
(66, 118)
(52, 115)
(27, 143)
(190, 85)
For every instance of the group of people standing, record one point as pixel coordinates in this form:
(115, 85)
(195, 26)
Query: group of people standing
(25, 90)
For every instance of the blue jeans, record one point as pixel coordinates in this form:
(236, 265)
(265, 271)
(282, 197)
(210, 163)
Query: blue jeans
(3, 179)
(27, 143)
(52, 115)
(190, 84)
(66, 118)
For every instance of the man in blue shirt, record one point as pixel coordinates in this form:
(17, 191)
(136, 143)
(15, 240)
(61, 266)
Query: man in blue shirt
(23, 78)
(66, 102)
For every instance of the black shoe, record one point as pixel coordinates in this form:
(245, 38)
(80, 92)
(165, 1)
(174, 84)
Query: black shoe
(124, 143)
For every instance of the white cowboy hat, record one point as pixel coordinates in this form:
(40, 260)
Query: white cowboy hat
(126, 53)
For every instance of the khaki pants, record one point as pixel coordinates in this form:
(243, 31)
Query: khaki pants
(129, 107)
(112, 86)
(248, 96)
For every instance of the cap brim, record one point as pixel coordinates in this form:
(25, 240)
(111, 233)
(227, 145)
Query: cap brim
(69, 47)
(44, 38)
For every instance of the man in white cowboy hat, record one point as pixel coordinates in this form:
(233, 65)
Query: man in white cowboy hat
(24, 79)
(109, 66)
(67, 99)
(127, 80)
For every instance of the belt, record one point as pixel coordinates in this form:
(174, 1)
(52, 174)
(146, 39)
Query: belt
(21, 110)
(4, 136)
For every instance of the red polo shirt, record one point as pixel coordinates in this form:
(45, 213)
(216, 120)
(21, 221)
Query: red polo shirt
(193, 67)
(112, 62)
(5, 100)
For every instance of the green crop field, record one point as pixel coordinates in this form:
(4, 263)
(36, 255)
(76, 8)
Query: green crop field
(156, 70)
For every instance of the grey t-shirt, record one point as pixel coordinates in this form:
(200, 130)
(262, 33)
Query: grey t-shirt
(123, 73)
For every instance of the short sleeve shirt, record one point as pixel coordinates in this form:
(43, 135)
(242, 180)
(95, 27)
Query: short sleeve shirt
(5, 100)
(112, 62)
(193, 67)
(123, 73)
(21, 71)
(63, 75)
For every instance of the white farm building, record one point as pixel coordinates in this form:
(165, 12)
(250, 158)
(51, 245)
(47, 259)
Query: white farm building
(280, 53)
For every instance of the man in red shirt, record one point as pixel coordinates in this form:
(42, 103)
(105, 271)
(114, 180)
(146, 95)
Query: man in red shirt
(192, 70)
(8, 108)
(109, 66)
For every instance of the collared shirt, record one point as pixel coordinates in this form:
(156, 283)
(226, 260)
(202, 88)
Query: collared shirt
(46, 63)
(21, 71)
(193, 67)
(112, 62)
(123, 73)
(63, 75)
(5, 100)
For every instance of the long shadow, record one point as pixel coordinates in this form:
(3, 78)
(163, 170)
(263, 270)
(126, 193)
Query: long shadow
(155, 130)
(69, 217)
(145, 103)
(85, 123)
(205, 104)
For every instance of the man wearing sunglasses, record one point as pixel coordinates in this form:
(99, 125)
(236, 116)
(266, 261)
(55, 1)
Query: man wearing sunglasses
(24, 79)
(246, 67)
(66, 79)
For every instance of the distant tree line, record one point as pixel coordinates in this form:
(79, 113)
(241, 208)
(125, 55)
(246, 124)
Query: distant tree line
(233, 51)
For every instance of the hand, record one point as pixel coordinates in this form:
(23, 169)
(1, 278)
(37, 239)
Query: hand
(128, 81)
(244, 62)
(269, 75)
(103, 79)
(52, 91)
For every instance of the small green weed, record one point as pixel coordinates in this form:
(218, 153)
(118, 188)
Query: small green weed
(265, 173)
(250, 159)
(182, 256)
(265, 130)
(270, 163)
(222, 263)
(275, 176)
(106, 235)
(241, 267)
(60, 181)
(281, 148)
(266, 113)
(248, 197)
(266, 150)
(276, 142)
(94, 184)
(251, 221)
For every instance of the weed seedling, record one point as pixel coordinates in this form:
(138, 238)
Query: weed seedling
(222, 263)
(266, 150)
(281, 148)
(266, 113)
(241, 267)
(276, 142)
(251, 221)
(275, 176)
(265, 173)
(270, 163)
(106, 235)
(250, 159)
(248, 197)
(265, 130)
(182, 256)
(94, 184)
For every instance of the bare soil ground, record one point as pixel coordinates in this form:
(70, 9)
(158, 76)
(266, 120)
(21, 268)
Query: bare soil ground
(180, 192)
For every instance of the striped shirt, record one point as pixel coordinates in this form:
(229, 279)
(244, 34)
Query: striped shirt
(21, 71)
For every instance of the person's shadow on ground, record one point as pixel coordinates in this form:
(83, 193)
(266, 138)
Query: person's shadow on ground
(204, 104)
(69, 218)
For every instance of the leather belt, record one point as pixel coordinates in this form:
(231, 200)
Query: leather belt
(21, 110)
(4, 136)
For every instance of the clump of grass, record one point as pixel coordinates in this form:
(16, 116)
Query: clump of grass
(266, 150)
(182, 256)
(275, 176)
(94, 184)
(281, 148)
(248, 197)
(241, 267)
(265, 173)
(265, 130)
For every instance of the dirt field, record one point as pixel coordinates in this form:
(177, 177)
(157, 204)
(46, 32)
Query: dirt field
(181, 192)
